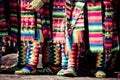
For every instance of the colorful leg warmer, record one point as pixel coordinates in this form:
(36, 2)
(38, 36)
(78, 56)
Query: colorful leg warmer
(28, 22)
(100, 65)
(58, 35)
(72, 61)
(0, 52)
(27, 34)
(54, 60)
(108, 30)
(64, 61)
(3, 23)
(44, 13)
(111, 35)
(59, 21)
(111, 42)
(45, 54)
(14, 22)
(77, 24)
(31, 59)
(21, 59)
(95, 27)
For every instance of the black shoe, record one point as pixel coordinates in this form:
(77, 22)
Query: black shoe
(11, 70)
(50, 70)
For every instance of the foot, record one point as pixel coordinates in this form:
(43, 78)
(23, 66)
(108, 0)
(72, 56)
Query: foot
(11, 69)
(70, 72)
(28, 69)
(100, 74)
(61, 72)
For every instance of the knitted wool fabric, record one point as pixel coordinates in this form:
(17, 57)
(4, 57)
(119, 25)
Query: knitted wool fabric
(64, 62)
(67, 24)
(14, 22)
(77, 13)
(55, 56)
(77, 22)
(111, 42)
(59, 18)
(44, 13)
(3, 24)
(0, 51)
(73, 56)
(27, 22)
(45, 54)
(95, 27)
(72, 61)
(22, 53)
(77, 25)
(33, 53)
(44, 19)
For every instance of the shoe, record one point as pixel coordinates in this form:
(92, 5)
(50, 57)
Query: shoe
(100, 74)
(27, 70)
(70, 72)
(50, 70)
(11, 69)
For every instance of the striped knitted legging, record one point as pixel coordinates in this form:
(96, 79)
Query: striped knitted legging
(3, 26)
(59, 18)
(95, 27)
(77, 22)
(27, 32)
(14, 22)
(111, 42)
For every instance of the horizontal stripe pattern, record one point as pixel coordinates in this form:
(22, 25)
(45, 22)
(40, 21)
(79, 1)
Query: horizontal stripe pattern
(3, 24)
(95, 27)
(59, 21)
(27, 22)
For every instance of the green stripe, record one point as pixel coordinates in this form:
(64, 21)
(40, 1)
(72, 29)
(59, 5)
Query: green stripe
(95, 8)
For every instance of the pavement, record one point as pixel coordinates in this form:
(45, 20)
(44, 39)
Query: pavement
(48, 77)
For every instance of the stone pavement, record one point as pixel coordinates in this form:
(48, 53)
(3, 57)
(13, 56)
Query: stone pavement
(47, 77)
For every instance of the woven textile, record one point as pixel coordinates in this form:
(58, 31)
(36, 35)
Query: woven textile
(33, 53)
(0, 50)
(59, 21)
(110, 32)
(43, 21)
(77, 22)
(27, 22)
(95, 27)
(14, 20)
(111, 42)
(3, 24)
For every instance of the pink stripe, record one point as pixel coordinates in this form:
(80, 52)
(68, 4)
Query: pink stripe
(58, 35)
(95, 14)
(95, 35)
